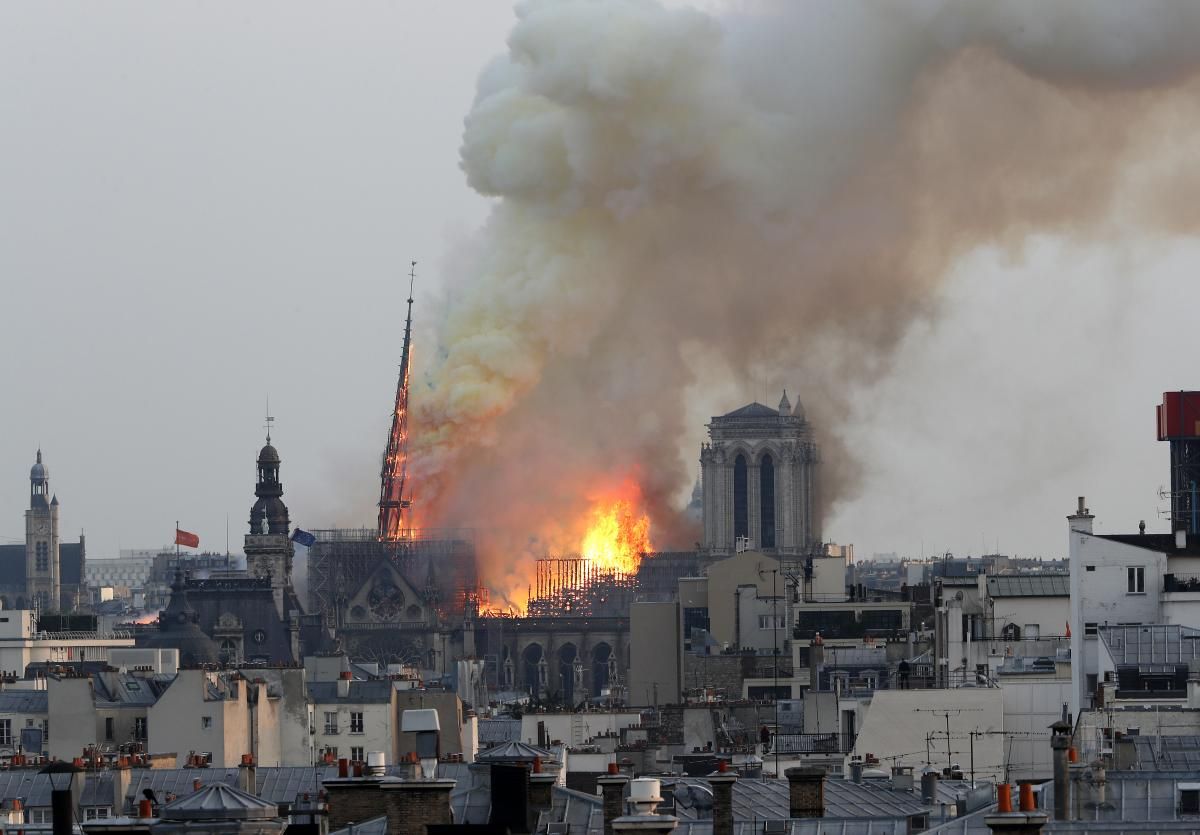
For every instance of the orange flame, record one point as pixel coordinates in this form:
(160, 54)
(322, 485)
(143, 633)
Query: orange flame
(617, 535)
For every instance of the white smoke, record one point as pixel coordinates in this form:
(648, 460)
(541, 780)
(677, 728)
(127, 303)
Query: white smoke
(685, 199)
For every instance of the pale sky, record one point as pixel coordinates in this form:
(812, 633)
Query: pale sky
(203, 205)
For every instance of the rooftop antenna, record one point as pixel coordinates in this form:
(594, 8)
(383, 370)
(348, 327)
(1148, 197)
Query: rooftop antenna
(270, 420)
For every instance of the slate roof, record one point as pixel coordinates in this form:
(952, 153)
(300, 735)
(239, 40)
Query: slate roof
(23, 701)
(515, 751)
(769, 800)
(1151, 644)
(496, 731)
(219, 802)
(27, 784)
(1163, 543)
(374, 826)
(124, 690)
(1029, 585)
(1167, 753)
(364, 692)
(752, 410)
(12, 564)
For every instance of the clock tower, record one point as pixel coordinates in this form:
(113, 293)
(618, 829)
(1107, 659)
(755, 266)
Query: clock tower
(42, 580)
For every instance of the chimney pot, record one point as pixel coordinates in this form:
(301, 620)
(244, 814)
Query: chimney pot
(1026, 798)
(1004, 798)
(806, 792)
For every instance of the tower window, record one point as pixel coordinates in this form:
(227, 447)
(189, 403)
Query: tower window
(767, 497)
(741, 515)
(42, 556)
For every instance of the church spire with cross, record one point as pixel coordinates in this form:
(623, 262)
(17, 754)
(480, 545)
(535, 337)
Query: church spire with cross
(268, 548)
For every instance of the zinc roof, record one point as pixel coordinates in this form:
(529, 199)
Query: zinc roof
(1029, 585)
(1151, 644)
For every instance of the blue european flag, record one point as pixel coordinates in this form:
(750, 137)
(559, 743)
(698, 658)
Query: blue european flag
(303, 537)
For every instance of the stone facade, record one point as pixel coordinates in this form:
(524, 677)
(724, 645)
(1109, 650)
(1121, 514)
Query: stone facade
(759, 481)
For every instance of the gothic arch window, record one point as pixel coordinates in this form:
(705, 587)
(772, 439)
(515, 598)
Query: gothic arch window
(741, 515)
(766, 492)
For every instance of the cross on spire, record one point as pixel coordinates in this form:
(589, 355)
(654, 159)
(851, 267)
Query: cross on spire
(270, 420)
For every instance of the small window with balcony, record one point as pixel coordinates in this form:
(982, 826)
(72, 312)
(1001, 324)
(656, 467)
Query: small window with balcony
(331, 723)
(1135, 577)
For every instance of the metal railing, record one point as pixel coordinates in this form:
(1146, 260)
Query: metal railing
(831, 743)
(1181, 582)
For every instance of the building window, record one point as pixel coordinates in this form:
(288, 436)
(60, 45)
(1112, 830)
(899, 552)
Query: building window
(1135, 576)
(1089, 568)
(330, 751)
(109, 722)
(1033, 631)
(770, 622)
(331, 722)
(766, 493)
(356, 723)
(42, 555)
(1090, 628)
(741, 515)
(45, 731)
(1189, 801)
(356, 754)
(205, 722)
(6, 738)
(139, 727)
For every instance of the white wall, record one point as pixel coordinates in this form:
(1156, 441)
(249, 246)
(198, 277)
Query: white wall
(1049, 613)
(1100, 595)
(1031, 704)
(378, 732)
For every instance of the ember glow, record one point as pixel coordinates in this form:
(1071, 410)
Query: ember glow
(618, 533)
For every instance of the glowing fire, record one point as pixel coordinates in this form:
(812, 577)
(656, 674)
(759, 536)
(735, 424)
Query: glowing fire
(617, 535)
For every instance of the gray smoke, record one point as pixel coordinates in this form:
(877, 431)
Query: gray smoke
(684, 200)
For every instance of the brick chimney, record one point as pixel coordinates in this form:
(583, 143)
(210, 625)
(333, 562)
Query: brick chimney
(612, 788)
(722, 782)
(806, 792)
(122, 777)
(353, 800)
(541, 793)
(247, 775)
(414, 804)
(644, 796)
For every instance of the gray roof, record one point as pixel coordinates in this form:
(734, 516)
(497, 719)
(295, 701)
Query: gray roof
(496, 731)
(1167, 753)
(1151, 644)
(1029, 585)
(125, 690)
(364, 692)
(373, 826)
(752, 410)
(515, 751)
(27, 784)
(768, 799)
(219, 802)
(23, 701)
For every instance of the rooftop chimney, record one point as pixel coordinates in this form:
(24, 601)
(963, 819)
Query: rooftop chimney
(247, 775)
(413, 805)
(612, 788)
(510, 797)
(1081, 519)
(343, 684)
(806, 792)
(644, 796)
(1060, 741)
(722, 788)
(121, 779)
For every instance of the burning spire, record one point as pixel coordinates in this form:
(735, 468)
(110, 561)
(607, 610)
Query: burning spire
(392, 498)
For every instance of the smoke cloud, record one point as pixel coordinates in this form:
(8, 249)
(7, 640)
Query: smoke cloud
(684, 200)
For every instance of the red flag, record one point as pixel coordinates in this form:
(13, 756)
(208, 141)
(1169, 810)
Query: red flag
(187, 540)
(1068, 629)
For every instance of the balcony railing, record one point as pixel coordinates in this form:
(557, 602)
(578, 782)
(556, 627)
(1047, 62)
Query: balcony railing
(1181, 582)
(831, 743)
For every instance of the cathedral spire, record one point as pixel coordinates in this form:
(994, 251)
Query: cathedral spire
(785, 407)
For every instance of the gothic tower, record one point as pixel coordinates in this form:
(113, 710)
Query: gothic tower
(42, 562)
(759, 481)
(268, 548)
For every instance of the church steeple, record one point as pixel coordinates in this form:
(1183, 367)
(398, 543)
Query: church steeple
(39, 484)
(268, 548)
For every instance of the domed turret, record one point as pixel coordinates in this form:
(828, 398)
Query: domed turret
(179, 628)
(38, 471)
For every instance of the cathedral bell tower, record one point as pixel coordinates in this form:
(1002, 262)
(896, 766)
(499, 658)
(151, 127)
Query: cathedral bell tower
(268, 548)
(42, 582)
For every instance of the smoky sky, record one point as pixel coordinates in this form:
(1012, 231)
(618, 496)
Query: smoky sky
(204, 206)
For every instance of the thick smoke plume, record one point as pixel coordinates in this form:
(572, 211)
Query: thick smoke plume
(685, 200)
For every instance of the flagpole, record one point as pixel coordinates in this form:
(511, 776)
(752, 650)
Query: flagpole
(177, 542)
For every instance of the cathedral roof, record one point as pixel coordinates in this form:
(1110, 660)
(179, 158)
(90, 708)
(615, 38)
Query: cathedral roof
(753, 410)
